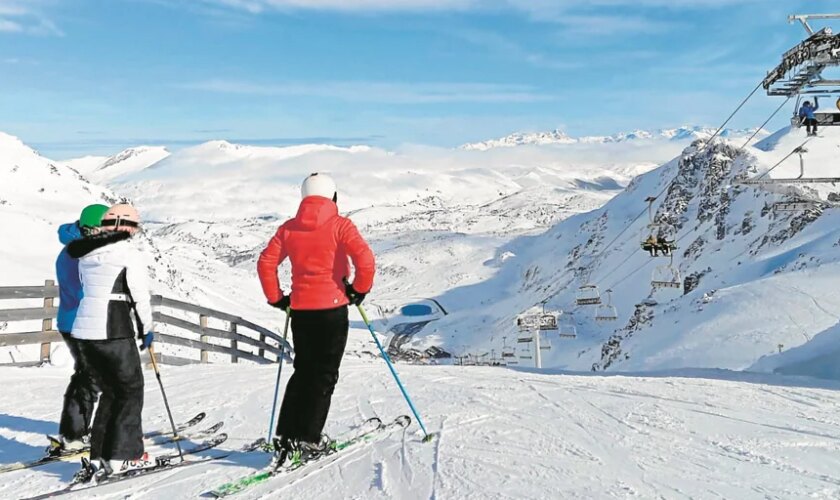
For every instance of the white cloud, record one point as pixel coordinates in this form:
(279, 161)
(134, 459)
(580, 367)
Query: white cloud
(381, 92)
(26, 17)
(7, 26)
(536, 7)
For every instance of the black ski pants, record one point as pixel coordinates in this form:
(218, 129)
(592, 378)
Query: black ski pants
(79, 398)
(319, 339)
(114, 364)
(810, 125)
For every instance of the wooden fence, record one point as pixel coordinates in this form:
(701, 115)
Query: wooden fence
(186, 319)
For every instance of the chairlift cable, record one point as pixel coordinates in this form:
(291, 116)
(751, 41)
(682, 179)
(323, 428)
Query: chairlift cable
(733, 114)
(598, 255)
(761, 127)
(741, 149)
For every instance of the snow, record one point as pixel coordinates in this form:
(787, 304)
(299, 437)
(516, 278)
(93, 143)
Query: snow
(481, 235)
(127, 162)
(558, 137)
(502, 433)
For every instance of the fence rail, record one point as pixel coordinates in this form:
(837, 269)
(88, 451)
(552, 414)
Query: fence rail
(261, 344)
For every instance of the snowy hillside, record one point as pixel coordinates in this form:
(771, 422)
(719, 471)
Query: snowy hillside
(502, 434)
(215, 205)
(127, 162)
(757, 280)
(36, 196)
(558, 137)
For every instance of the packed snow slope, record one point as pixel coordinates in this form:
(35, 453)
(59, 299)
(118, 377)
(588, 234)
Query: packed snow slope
(754, 281)
(502, 434)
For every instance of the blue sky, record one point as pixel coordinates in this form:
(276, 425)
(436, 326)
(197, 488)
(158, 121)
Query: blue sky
(93, 76)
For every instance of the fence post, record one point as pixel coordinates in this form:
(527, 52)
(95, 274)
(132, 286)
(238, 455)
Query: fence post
(233, 344)
(46, 325)
(202, 321)
(262, 341)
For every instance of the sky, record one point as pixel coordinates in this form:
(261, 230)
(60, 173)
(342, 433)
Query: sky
(82, 77)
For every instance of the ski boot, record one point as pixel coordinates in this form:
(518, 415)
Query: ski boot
(62, 446)
(109, 467)
(86, 473)
(297, 452)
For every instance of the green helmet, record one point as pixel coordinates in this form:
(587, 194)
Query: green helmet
(91, 215)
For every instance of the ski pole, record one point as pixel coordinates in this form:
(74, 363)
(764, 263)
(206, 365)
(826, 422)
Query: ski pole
(427, 437)
(279, 371)
(176, 437)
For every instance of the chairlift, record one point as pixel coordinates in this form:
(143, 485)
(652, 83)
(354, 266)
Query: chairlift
(524, 340)
(825, 118)
(796, 206)
(660, 238)
(588, 295)
(567, 331)
(800, 179)
(545, 343)
(606, 312)
(666, 276)
(507, 351)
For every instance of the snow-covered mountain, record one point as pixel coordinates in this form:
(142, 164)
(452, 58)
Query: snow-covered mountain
(684, 133)
(753, 281)
(129, 161)
(467, 228)
(36, 196)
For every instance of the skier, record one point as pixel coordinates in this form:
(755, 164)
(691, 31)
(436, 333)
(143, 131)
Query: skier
(81, 393)
(664, 245)
(116, 293)
(809, 119)
(318, 242)
(650, 245)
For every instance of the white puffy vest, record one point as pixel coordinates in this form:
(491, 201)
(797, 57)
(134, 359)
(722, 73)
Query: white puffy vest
(102, 312)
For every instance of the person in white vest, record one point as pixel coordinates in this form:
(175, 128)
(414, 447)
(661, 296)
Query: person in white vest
(115, 309)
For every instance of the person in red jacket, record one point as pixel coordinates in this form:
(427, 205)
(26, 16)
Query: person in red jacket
(320, 244)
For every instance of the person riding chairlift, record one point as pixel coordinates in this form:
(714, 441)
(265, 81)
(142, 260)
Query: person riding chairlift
(658, 243)
(809, 119)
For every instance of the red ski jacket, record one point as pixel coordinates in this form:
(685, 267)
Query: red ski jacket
(318, 243)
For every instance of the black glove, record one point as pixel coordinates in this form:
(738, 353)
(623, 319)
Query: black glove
(355, 297)
(285, 303)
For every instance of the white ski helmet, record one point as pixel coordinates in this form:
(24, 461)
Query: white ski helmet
(319, 185)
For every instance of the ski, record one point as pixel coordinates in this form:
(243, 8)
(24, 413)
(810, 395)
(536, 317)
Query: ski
(154, 435)
(162, 463)
(364, 436)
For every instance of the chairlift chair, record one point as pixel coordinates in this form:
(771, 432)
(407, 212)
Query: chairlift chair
(825, 118)
(666, 276)
(508, 352)
(545, 343)
(606, 312)
(795, 206)
(567, 331)
(588, 295)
